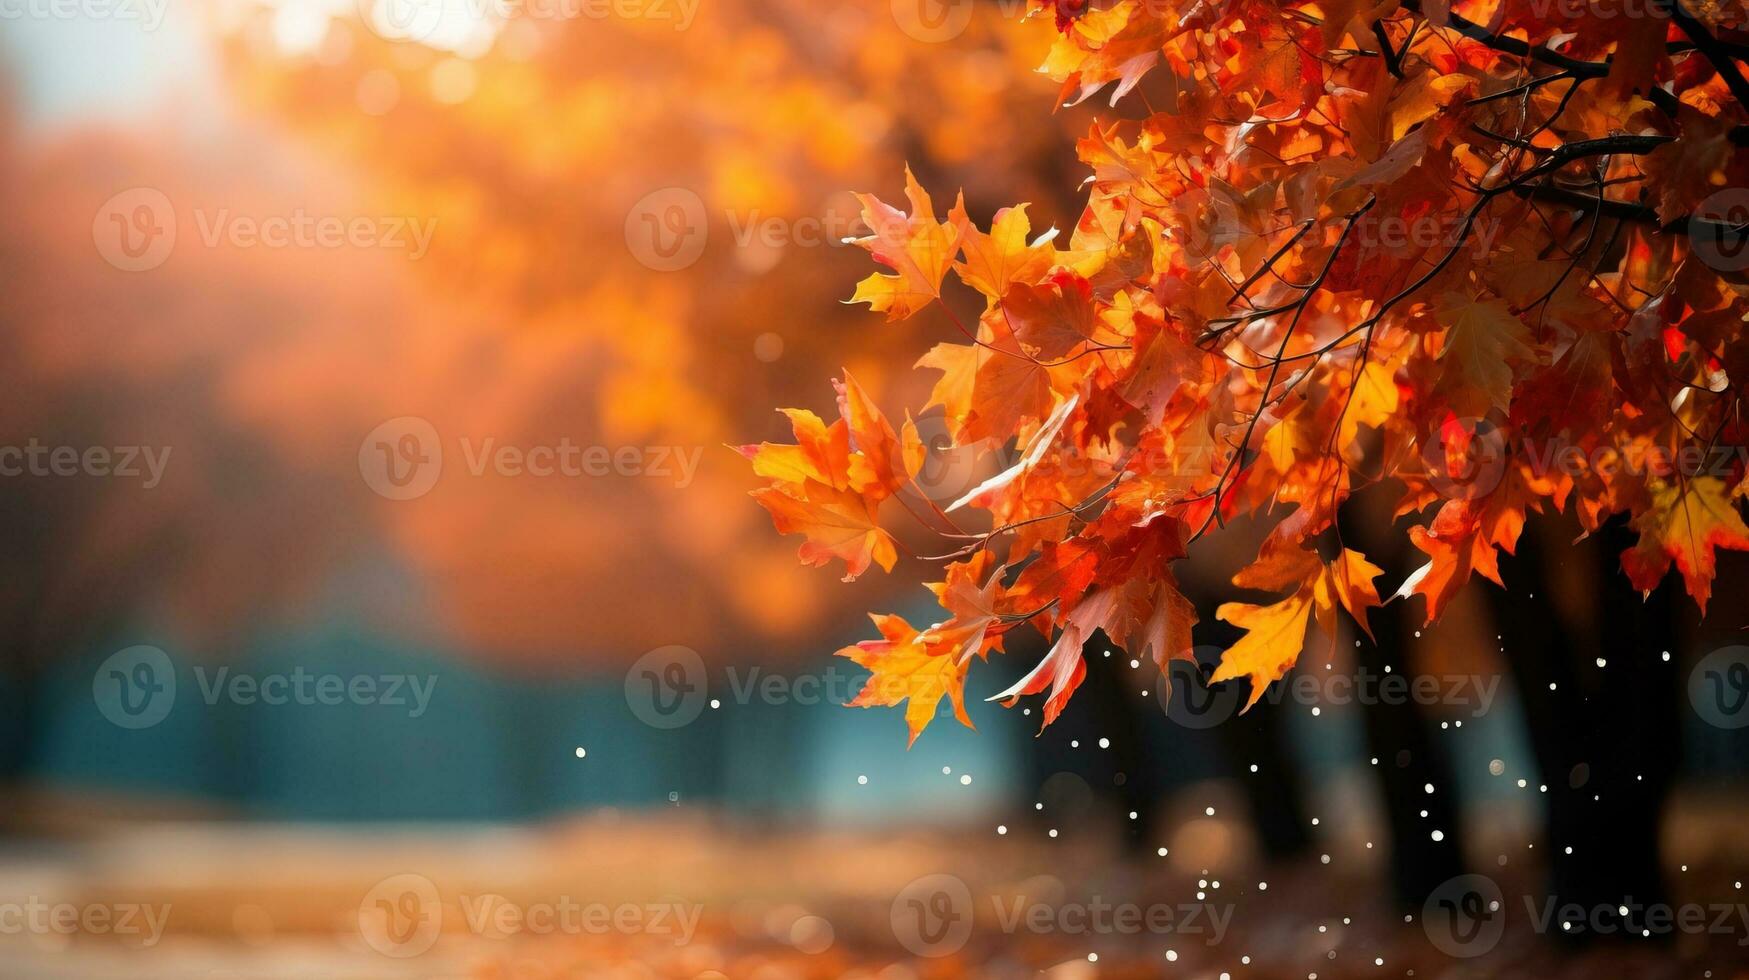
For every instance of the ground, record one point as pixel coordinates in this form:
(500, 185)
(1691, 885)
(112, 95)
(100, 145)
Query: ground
(275, 901)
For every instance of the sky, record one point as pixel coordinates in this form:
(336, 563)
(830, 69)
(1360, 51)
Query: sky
(114, 68)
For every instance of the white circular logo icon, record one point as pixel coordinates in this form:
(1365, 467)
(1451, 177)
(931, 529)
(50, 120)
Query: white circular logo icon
(1465, 458)
(949, 471)
(666, 229)
(932, 916)
(1187, 697)
(401, 916)
(666, 688)
(402, 458)
(1465, 917)
(1719, 230)
(135, 688)
(932, 21)
(135, 230)
(1719, 687)
(405, 20)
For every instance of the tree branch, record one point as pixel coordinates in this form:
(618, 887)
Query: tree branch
(1710, 48)
(1688, 224)
(1511, 45)
(1393, 60)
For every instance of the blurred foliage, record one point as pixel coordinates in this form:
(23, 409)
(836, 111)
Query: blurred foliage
(530, 319)
(532, 155)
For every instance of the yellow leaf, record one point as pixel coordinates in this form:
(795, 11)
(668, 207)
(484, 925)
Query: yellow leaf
(1423, 97)
(821, 452)
(996, 261)
(1276, 634)
(1348, 580)
(1371, 401)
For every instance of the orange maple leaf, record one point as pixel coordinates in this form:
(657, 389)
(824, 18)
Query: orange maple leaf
(916, 247)
(905, 669)
(837, 523)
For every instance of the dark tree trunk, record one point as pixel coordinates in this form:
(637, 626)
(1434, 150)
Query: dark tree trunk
(1605, 737)
(1398, 734)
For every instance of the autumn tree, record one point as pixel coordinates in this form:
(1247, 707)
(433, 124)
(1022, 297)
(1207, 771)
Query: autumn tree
(1485, 259)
